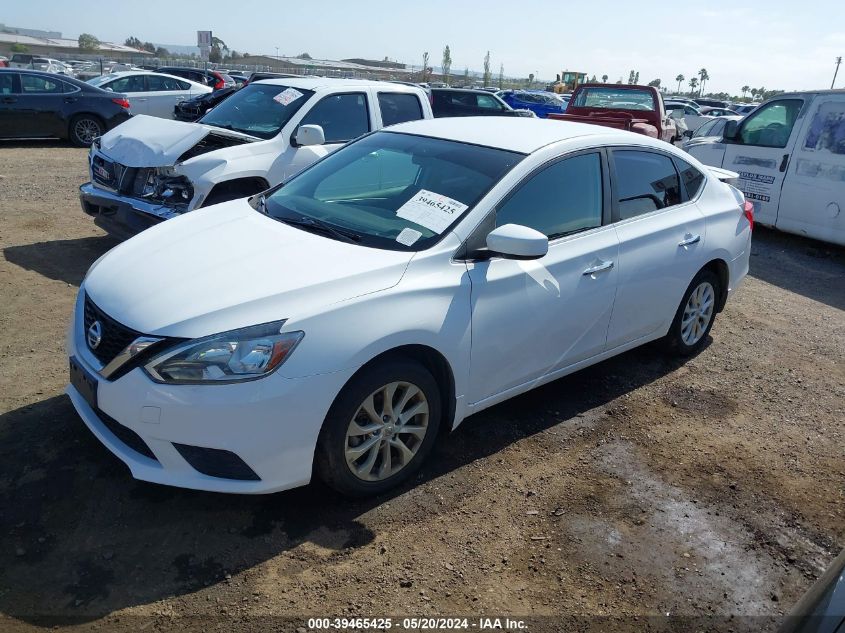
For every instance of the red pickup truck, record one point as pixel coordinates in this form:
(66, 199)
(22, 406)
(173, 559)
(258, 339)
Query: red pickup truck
(635, 108)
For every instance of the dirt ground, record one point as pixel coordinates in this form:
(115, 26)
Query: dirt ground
(711, 490)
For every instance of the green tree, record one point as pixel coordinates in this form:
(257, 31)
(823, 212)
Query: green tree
(133, 41)
(19, 48)
(655, 83)
(745, 89)
(680, 78)
(160, 51)
(604, 79)
(530, 79)
(466, 76)
(446, 63)
(88, 42)
(304, 56)
(501, 76)
(593, 79)
(631, 77)
(693, 84)
(702, 74)
(425, 65)
(487, 69)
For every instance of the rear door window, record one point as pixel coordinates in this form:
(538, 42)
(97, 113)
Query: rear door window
(159, 83)
(132, 83)
(35, 84)
(645, 182)
(397, 107)
(487, 102)
(343, 117)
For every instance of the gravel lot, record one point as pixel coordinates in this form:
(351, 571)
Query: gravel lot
(643, 486)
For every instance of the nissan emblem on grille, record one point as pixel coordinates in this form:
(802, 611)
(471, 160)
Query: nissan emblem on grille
(95, 335)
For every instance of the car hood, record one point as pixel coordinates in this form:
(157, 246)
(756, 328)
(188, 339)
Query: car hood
(148, 141)
(228, 266)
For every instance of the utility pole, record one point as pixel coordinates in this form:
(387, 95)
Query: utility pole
(835, 72)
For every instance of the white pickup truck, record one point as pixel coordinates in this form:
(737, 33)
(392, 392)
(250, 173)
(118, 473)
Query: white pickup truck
(150, 169)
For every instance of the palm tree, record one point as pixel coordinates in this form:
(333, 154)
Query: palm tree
(754, 93)
(604, 79)
(693, 83)
(704, 77)
(679, 79)
(745, 89)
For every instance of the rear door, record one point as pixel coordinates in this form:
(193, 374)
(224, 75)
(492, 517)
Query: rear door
(163, 93)
(760, 154)
(398, 107)
(661, 243)
(40, 105)
(133, 87)
(812, 199)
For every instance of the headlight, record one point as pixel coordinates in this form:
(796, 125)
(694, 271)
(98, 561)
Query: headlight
(244, 354)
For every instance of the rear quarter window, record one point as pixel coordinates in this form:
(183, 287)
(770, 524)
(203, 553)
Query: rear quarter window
(692, 179)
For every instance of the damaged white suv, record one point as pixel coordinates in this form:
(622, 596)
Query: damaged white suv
(150, 169)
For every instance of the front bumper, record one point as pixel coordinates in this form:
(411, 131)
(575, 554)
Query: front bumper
(271, 424)
(119, 215)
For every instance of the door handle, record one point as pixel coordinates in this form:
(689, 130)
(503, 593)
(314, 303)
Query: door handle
(598, 268)
(9, 100)
(784, 163)
(688, 241)
(70, 99)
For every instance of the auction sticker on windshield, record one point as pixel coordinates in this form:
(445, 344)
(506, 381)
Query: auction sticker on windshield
(431, 210)
(287, 96)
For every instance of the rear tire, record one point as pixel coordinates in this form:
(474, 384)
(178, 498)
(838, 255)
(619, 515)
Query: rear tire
(367, 446)
(84, 128)
(695, 315)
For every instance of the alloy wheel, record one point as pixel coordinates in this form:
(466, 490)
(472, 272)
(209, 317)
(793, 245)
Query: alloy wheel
(86, 130)
(387, 431)
(697, 313)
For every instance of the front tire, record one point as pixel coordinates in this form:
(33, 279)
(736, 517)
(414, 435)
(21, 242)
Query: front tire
(380, 428)
(84, 128)
(695, 315)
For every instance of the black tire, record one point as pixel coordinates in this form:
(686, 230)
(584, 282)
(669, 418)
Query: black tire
(84, 128)
(330, 457)
(674, 341)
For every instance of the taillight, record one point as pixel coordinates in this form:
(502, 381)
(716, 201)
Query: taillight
(748, 210)
(219, 84)
(123, 103)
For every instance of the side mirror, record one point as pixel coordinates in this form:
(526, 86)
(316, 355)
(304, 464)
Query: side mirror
(517, 242)
(310, 135)
(731, 132)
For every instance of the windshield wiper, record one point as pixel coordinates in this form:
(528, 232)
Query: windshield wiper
(324, 227)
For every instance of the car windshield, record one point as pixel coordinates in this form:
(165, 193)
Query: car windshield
(390, 190)
(614, 98)
(258, 109)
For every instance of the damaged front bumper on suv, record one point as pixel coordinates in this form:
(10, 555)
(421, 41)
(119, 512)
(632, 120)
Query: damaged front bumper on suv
(126, 200)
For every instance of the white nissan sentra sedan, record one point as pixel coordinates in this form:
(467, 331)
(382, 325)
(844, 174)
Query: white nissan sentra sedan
(339, 322)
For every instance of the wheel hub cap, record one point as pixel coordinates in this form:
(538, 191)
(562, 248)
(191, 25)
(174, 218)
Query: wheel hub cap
(698, 312)
(387, 431)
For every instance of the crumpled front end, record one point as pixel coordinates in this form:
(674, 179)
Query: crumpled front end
(136, 172)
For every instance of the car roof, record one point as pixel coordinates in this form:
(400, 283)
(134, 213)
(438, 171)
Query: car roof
(518, 134)
(315, 83)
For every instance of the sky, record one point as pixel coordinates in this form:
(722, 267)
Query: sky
(776, 44)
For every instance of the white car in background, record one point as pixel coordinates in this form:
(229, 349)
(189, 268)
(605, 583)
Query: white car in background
(340, 321)
(710, 131)
(154, 94)
(691, 115)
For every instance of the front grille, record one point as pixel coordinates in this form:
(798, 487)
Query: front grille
(126, 435)
(216, 462)
(114, 336)
(126, 180)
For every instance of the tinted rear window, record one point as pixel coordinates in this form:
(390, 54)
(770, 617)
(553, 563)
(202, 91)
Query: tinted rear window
(646, 182)
(399, 107)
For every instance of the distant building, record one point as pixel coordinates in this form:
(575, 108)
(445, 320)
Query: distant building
(360, 68)
(31, 32)
(65, 48)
